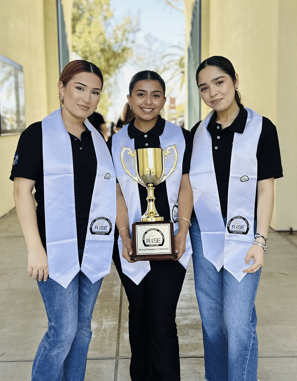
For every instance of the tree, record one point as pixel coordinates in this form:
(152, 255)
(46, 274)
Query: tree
(174, 4)
(175, 65)
(96, 38)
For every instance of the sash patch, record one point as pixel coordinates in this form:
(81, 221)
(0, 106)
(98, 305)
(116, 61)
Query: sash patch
(175, 213)
(238, 225)
(101, 226)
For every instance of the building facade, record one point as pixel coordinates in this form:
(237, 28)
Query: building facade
(35, 35)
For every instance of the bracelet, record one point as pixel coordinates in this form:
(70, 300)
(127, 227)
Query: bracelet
(264, 247)
(258, 235)
(122, 229)
(184, 218)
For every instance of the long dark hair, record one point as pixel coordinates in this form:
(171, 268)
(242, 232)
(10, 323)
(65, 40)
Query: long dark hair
(225, 65)
(79, 66)
(146, 74)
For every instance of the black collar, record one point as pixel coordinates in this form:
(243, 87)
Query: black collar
(238, 125)
(157, 130)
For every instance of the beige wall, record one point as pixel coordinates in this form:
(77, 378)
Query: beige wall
(260, 39)
(28, 31)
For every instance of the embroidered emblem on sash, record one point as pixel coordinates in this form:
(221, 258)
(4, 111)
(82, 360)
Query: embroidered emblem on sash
(175, 213)
(153, 237)
(244, 178)
(107, 176)
(238, 225)
(101, 226)
(16, 158)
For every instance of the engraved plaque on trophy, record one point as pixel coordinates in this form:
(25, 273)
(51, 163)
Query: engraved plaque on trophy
(153, 238)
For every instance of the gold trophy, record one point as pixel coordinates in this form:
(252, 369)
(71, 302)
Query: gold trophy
(153, 238)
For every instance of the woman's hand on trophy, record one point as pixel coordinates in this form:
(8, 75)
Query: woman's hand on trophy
(180, 244)
(127, 249)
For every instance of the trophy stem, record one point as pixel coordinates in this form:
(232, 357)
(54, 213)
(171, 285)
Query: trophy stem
(151, 213)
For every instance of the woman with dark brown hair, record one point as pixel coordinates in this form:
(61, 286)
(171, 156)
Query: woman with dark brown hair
(70, 235)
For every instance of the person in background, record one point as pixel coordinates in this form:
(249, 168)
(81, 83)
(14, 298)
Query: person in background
(235, 160)
(152, 287)
(125, 118)
(97, 120)
(70, 236)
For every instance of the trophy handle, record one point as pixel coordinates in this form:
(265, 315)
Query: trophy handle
(132, 154)
(167, 152)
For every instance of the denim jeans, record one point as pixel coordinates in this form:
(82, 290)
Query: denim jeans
(62, 353)
(228, 314)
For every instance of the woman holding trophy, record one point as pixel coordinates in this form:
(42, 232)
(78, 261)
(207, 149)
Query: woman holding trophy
(234, 163)
(162, 150)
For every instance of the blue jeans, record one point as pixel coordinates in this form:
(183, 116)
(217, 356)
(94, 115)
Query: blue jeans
(228, 314)
(62, 353)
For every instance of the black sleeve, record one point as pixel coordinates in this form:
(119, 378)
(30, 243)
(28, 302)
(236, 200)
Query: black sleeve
(188, 151)
(268, 152)
(28, 157)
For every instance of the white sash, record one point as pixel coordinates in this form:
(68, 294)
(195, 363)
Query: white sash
(226, 246)
(172, 135)
(59, 206)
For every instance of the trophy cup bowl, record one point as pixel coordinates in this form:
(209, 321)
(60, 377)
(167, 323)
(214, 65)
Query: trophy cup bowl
(152, 237)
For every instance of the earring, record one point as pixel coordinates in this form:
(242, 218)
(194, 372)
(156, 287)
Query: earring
(61, 99)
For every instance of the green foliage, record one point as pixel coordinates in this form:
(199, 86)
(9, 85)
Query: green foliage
(96, 38)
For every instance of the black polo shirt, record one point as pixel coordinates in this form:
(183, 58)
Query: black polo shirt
(268, 153)
(29, 165)
(151, 139)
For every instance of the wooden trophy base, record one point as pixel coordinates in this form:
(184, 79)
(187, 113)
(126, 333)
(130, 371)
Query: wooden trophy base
(153, 241)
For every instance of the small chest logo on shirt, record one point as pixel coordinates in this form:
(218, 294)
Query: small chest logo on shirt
(153, 237)
(244, 178)
(175, 213)
(101, 226)
(238, 225)
(107, 176)
(15, 159)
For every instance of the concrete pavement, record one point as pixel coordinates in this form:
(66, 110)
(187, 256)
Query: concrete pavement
(23, 319)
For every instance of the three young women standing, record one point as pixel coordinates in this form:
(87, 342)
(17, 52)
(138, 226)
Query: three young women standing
(70, 235)
(152, 288)
(234, 163)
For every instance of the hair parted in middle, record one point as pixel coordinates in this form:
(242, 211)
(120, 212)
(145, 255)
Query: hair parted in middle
(223, 64)
(144, 75)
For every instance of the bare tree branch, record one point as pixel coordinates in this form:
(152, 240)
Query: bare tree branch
(173, 6)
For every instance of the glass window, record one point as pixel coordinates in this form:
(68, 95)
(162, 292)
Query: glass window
(12, 97)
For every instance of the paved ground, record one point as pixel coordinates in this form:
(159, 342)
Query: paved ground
(23, 319)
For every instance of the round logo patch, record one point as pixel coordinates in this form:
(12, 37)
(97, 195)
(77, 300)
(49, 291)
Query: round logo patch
(238, 225)
(175, 213)
(101, 226)
(244, 178)
(153, 237)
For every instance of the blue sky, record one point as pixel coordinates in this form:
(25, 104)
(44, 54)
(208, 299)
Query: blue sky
(156, 18)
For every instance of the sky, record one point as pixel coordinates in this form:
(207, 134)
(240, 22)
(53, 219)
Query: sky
(157, 18)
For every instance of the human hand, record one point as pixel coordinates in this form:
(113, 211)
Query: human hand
(127, 249)
(180, 244)
(257, 254)
(37, 264)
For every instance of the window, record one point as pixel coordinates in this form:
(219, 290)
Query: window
(12, 97)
